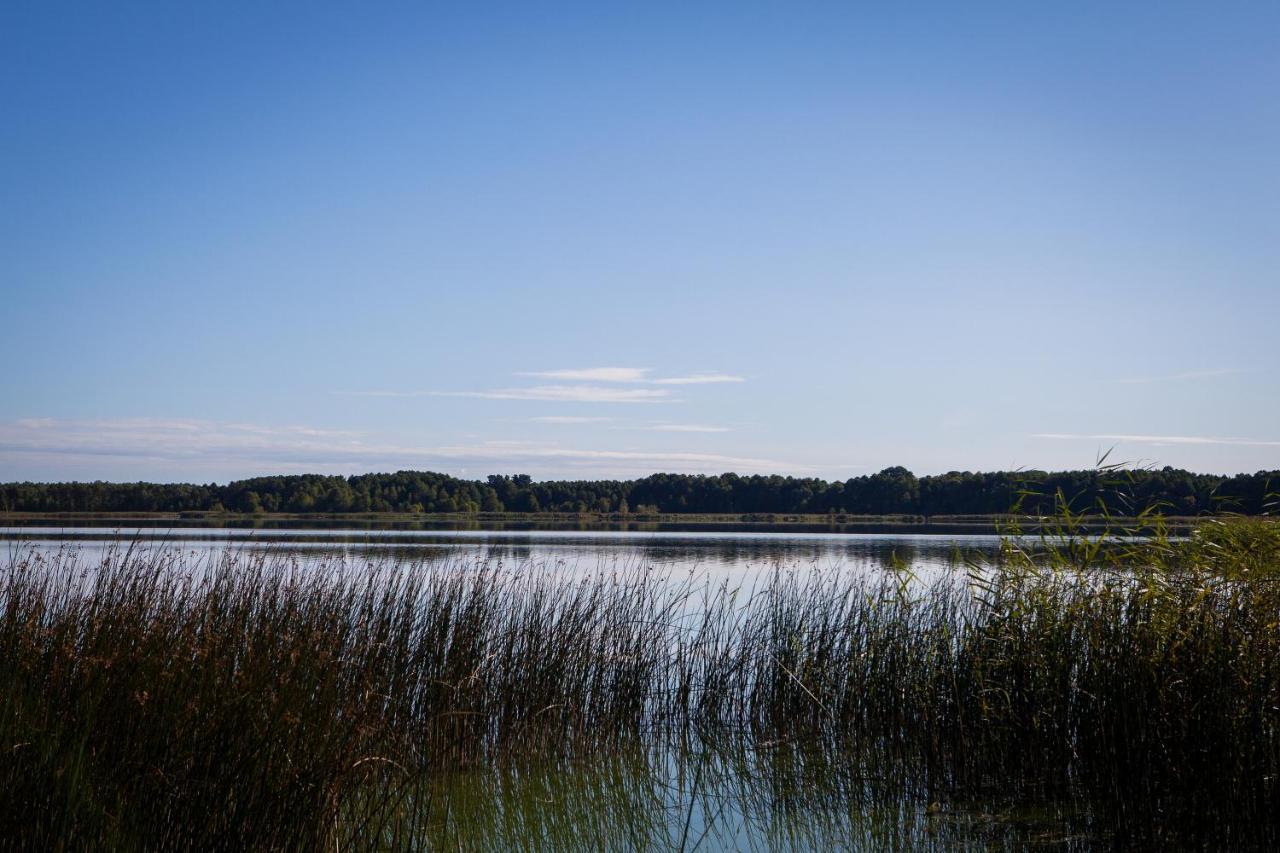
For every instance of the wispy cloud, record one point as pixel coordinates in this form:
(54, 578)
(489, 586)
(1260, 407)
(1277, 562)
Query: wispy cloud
(310, 432)
(592, 374)
(1161, 439)
(651, 460)
(699, 379)
(660, 427)
(679, 428)
(569, 419)
(574, 393)
(569, 394)
(147, 438)
(543, 393)
(183, 447)
(1175, 377)
(631, 374)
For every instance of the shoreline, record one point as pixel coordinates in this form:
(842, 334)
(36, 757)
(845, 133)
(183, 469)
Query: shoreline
(704, 522)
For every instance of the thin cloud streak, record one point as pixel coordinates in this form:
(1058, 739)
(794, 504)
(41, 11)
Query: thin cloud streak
(1160, 439)
(592, 374)
(1175, 377)
(679, 428)
(568, 394)
(575, 393)
(206, 445)
(699, 379)
(663, 457)
(569, 419)
(638, 375)
(542, 393)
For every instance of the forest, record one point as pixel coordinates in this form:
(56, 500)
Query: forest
(893, 491)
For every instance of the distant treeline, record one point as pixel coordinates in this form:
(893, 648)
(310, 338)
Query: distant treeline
(893, 491)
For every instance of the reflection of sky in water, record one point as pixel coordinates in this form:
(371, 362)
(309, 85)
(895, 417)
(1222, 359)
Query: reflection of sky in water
(713, 798)
(733, 552)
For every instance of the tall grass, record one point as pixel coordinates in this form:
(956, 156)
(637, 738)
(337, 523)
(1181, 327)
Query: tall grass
(153, 700)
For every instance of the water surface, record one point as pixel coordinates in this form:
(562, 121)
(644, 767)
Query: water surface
(736, 552)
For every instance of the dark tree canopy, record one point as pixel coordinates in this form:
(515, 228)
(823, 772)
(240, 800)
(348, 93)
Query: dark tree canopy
(893, 491)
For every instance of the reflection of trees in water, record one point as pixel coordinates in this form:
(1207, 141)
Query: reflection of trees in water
(662, 544)
(727, 552)
(744, 556)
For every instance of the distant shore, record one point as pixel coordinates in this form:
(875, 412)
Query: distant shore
(795, 522)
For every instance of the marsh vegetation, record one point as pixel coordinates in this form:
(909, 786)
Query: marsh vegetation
(1095, 690)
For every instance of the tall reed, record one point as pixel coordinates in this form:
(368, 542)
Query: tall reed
(157, 700)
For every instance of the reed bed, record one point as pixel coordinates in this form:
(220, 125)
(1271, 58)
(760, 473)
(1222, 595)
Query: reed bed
(152, 700)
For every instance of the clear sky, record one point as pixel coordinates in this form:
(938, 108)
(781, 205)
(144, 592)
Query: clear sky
(598, 239)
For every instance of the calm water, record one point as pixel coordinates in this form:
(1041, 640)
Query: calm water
(711, 799)
(735, 552)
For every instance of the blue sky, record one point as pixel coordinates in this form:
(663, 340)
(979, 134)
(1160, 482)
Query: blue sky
(582, 240)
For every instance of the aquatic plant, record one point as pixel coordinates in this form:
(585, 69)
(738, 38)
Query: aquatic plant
(158, 700)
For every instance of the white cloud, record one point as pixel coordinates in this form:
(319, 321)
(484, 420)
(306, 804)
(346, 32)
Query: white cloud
(593, 374)
(1174, 377)
(568, 419)
(632, 374)
(699, 379)
(291, 430)
(661, 427)
(682, 428)
(569, 394)
(653, 460)
(154, 438)
(1161, 439)
(180, 449)
(575, 393)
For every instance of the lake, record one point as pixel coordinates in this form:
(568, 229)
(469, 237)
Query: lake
(737, 553)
